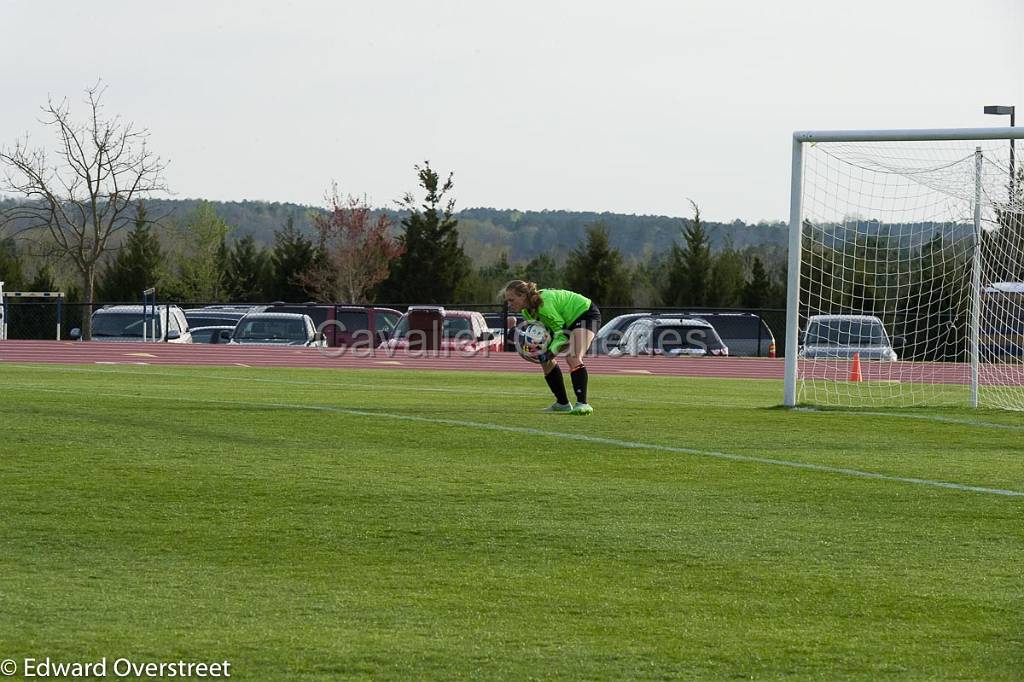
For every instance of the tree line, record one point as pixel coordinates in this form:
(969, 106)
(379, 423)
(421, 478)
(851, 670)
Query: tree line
(352, 257)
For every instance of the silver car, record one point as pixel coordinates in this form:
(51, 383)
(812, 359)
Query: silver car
(841, 336)
(277, 329)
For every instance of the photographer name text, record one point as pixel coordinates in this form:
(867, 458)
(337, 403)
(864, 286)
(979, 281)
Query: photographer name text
(47, 668)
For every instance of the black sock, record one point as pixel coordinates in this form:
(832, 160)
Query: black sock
(557, 386)
(579, 383)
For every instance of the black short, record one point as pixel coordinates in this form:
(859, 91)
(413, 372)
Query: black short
(589, 320)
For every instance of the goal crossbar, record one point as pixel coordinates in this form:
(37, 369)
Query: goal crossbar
(912, 135)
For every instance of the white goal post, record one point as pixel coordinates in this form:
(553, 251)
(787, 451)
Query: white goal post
(906, 269)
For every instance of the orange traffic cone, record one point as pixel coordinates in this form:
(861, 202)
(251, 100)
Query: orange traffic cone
(855, 373)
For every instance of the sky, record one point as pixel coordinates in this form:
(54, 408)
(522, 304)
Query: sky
(629, 107)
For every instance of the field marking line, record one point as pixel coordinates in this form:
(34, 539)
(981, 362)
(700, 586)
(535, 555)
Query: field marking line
(597, 440)
(959, 421)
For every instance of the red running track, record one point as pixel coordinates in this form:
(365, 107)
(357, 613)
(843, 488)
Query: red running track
(95, 352)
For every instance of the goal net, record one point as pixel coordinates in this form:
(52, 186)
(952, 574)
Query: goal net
(906, 282)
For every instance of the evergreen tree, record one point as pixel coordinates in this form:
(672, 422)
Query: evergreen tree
(862, 291)
(597, 271)
(689, 276)
(137, 266)
(433, 264)
(486, 284)
(820, 274)
(293, 256)
(202, 258)
(544, 270)
(727, 281)
(12, 272)
(43, 280)
(648, 280)
(757, 291)
(938, 329)
(245, 271)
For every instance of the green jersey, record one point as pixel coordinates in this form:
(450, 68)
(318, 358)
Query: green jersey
(559, 308)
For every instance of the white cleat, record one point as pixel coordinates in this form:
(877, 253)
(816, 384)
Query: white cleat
(582, 409)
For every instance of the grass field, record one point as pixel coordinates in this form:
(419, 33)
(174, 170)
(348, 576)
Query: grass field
(321, 524)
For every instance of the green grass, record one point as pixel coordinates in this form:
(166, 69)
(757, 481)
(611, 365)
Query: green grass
(322, 524)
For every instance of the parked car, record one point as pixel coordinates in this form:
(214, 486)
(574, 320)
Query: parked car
(746, 334)
(346, 325)
(219, 315)
(611, 332)
(671, 337)
(215, 334)
(277, 329)
(840, 336)
(438, 329)
(137, 323)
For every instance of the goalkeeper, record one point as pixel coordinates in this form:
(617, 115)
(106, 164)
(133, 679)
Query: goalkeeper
(573, 320)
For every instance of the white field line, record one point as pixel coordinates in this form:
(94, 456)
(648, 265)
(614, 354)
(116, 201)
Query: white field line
(540, 393)
(597, 440)
(959, 421)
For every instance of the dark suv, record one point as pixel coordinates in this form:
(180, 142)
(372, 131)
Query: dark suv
(671, 337)
(746, 334)
(346, 325)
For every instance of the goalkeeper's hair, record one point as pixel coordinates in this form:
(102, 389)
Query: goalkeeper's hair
(529, 290)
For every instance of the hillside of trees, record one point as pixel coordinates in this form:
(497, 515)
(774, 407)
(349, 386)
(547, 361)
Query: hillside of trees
(486, 232)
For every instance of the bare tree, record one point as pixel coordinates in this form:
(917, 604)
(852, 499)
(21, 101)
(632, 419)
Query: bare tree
(90, 193)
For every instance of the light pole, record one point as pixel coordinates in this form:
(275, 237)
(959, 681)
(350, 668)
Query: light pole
(1006, 111)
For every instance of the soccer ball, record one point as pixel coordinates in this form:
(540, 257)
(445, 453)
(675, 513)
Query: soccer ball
(532, 340)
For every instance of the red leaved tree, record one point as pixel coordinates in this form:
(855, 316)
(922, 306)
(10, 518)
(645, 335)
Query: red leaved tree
(356, 251)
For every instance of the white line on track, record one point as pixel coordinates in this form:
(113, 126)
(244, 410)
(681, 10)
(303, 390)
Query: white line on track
(597, 440)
